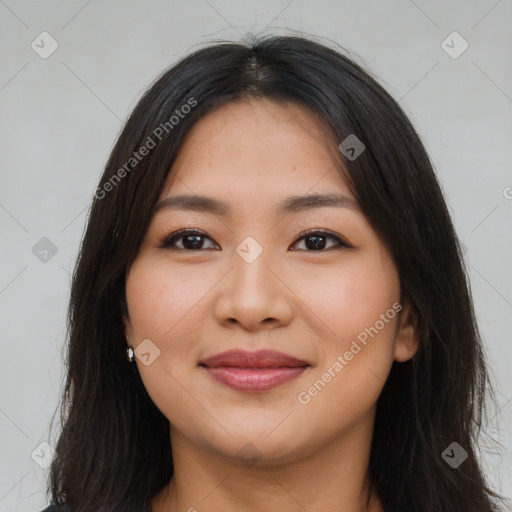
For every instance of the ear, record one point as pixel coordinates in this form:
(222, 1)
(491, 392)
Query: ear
(407, 339)
(127, 330)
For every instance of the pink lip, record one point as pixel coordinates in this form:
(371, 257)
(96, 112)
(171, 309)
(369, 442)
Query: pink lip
(253, 371)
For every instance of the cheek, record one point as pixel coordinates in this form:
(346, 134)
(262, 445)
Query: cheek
(159, 298)
(161, 307)
(350, 298)
(359, 305)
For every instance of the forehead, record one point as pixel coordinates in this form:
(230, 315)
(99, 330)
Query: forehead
(259, 147)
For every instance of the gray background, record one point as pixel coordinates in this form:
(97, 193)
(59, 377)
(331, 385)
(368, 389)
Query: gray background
(60, 117)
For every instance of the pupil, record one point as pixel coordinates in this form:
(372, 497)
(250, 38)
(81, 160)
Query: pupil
(194, 240)
(317, 243)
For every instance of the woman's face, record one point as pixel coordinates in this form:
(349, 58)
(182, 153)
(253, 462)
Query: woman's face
(252, 281)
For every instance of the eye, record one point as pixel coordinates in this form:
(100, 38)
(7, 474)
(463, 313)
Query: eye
(191, 240)
(317, 240)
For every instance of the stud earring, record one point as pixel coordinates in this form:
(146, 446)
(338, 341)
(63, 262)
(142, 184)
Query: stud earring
(129, 352)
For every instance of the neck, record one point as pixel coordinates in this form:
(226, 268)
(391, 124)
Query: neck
(334, 477)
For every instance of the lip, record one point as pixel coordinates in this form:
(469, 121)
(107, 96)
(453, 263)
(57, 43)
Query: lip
(253, 371)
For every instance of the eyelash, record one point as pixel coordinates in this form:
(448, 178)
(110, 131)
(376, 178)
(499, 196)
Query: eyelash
(169, 240)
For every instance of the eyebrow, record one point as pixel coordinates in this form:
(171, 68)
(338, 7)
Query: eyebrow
(289, 205)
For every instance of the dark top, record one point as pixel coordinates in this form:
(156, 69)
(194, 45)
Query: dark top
(56, 508)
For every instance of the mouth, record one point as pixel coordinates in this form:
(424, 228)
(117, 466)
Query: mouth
(253, 371)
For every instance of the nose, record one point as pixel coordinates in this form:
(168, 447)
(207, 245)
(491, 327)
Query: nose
(254, 295)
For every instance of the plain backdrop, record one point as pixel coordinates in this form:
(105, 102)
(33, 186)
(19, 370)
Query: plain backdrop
(60, 115)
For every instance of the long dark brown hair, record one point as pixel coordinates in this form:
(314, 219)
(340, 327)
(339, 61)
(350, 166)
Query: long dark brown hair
(113, 451)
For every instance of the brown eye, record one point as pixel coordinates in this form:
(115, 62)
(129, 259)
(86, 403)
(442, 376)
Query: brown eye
(317, 241)
(191, 240)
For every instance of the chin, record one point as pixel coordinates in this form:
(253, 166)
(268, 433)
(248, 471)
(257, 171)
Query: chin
(257, 449)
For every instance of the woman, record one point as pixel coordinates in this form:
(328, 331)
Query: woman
(270, 309)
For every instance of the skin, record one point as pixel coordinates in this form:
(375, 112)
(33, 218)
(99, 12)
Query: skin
(311, 304)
